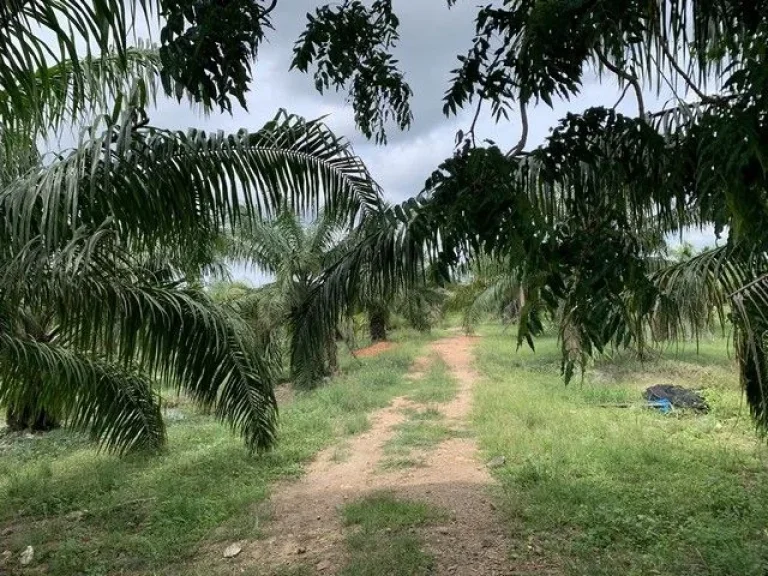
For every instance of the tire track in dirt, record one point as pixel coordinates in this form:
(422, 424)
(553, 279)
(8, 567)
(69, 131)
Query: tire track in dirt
(306, 528)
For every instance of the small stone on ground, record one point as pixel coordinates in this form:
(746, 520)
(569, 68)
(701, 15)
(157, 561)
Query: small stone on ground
(27, 556)
(232, 550)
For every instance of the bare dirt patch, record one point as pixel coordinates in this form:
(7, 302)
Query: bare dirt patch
(474, 542)
(306, 529)
(284, 394)
(374, 349)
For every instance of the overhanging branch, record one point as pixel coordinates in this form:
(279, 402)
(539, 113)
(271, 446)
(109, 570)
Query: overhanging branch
(680, 72)
(633, 81)
(524, 135)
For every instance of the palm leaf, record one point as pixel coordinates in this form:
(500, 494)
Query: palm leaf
(187, 182)
(117, 407)
(385, 255)
(750, 304)
(110, 306)
(69, 91)
(41, 48)
(179, 336)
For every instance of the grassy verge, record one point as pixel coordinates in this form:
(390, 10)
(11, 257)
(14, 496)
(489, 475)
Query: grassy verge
(90, 513)
(594, 490)
(382, 539)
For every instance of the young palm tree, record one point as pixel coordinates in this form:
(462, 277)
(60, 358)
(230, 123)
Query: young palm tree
(295, 255)
(492, 286)
(420, 305)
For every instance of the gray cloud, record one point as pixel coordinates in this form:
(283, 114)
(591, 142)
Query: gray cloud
(431, 38)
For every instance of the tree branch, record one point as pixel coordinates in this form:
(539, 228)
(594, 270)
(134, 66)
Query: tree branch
(626, 76)
(623, 93)
(690, 105)
(691, 84)
(269, 9)
(481, 98)
(524, 136)
(471, 132)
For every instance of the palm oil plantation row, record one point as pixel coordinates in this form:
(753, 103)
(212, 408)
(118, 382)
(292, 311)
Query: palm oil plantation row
(115, 303)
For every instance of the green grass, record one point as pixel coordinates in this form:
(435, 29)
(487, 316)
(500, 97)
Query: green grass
(436, 386)
(586, 489)
(427, 415)
(589, 490)
(422, 431)
(142, 514)
(412, 439)
(382, 540)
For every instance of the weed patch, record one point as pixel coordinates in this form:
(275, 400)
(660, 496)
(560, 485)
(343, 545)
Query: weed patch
(382, 539)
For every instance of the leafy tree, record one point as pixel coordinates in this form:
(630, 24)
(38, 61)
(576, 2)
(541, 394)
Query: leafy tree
(577, 212)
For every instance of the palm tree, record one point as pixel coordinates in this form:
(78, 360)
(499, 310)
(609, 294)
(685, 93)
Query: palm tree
(490, 286)
(420, 305)
(97, 241)
(122, 306)
(295, 255)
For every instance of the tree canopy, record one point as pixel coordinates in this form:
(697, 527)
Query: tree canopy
(578, 217)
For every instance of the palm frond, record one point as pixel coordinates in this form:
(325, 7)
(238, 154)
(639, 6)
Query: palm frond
(258, 243)
(693, 291)
(264, 310)
(43, 46)
(500, 297)
(730, 282)
(179, 336)
(69, 91)
(185, 183)
(117, 407)
(750, 304)
(421, 305)
(109, 307)
(297, 254)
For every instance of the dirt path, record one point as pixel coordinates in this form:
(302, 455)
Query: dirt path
(306, 528)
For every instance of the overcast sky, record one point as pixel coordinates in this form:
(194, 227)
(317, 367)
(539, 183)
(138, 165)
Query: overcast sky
(431, 38)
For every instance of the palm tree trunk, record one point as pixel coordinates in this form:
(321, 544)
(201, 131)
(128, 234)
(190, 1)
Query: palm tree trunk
(378, 316)
(28, 415)
(332, 356)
